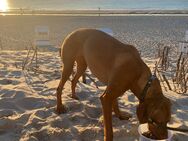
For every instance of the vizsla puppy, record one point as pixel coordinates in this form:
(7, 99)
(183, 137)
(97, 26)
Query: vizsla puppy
(120, 67)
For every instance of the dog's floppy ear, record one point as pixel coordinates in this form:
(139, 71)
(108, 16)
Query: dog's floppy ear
(142, 113)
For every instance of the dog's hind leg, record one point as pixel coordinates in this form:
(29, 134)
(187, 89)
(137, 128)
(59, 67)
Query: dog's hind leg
(81, 67)
(67, 70)
(121, 115)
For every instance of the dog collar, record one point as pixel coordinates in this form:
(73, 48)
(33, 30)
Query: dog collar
(148, 84)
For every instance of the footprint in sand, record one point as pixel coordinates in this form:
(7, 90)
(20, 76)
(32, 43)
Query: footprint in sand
(31, 103)
(19, 94)
(8, 82)
(44, 113)
(73, 105)
(6, 113)
(5, 81)
(91, 133)
(8, 127)
(92, 111)
(6, 124)
(7, 93)
(62, 123)
(38, 86)
(15, 74)
(3, 73)
(7, 103)
(48, 92)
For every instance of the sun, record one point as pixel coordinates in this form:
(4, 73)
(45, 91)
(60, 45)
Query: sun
(3, 5)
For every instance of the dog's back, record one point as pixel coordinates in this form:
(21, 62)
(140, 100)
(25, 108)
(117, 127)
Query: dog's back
(101, 52)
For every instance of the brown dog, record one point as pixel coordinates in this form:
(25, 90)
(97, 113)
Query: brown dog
(120, 67)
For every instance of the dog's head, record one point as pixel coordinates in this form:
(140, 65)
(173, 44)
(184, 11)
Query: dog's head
(156, 112)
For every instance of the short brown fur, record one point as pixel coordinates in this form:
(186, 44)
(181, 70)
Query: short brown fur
(121, 68)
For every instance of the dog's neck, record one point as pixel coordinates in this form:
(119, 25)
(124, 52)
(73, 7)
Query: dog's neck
(141, 82)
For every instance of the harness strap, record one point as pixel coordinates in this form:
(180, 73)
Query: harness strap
(144, 92)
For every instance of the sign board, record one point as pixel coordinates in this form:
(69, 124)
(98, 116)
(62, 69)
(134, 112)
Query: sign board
(42, 36)
(183, 47)
(107, 30)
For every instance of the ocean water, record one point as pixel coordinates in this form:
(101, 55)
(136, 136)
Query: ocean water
(103, 4)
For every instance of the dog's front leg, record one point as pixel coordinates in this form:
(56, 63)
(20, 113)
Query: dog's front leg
(106, 101)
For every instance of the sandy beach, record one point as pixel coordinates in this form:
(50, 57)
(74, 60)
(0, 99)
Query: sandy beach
(27, 97)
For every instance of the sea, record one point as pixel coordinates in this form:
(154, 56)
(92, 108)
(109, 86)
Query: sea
(98, 4)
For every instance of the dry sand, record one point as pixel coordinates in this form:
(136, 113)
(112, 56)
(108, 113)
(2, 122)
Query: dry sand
(27, 98)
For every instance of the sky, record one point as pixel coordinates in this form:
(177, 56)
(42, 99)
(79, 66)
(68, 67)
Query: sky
(94, 4)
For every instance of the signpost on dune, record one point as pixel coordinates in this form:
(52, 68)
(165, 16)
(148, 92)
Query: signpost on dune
(41, 42)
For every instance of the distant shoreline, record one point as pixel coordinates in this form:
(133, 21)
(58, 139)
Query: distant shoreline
(93, 12)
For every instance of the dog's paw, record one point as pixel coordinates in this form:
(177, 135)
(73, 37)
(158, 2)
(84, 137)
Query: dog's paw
(61, 109)
(75, 97)
(125, 116)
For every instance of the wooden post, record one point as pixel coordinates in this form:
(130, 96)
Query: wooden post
(178, 67)
(164, 63)
(1, 44)
(157, 71)
(26, 59)
(99, 11)
(168, 84)
(36, 53)
(183, 76)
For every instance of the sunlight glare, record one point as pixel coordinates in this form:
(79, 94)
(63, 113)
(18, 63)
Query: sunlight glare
(3, 5)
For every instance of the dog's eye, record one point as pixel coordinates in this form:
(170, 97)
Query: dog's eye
(157, 124)
(151, 121)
